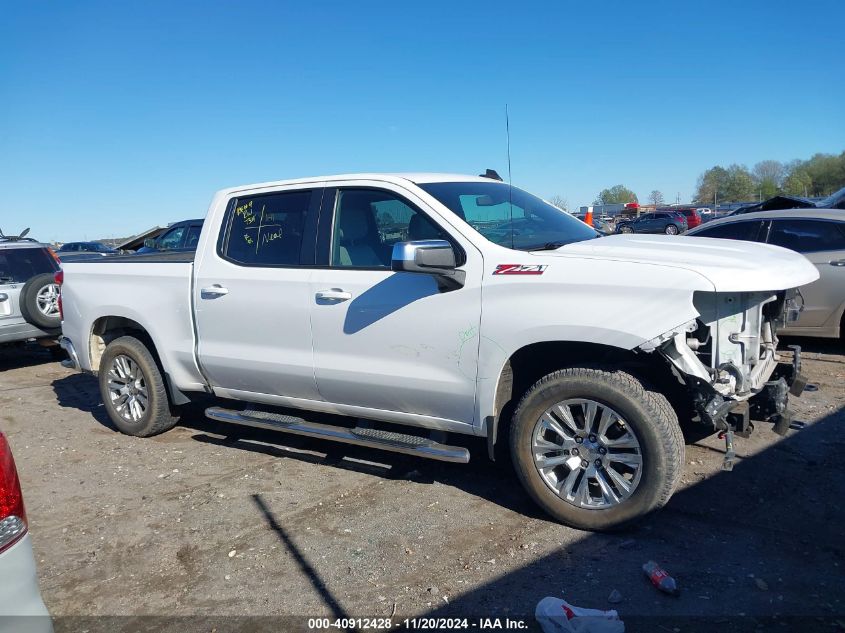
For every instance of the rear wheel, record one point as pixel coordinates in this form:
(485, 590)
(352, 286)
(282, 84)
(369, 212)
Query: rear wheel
(596, 449)
(671, 229)
(133, 389)
(40, 302)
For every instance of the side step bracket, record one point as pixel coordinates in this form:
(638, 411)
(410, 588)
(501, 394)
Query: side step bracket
(360, 436)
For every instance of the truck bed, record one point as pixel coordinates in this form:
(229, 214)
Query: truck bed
(153, 290)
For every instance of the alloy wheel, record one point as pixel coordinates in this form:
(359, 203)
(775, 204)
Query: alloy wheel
(127, 387)
(587, 454)
(47, 300)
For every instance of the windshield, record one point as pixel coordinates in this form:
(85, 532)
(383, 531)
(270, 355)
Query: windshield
(510, 217)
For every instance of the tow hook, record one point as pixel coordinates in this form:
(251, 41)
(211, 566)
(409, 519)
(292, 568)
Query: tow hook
(730, 454)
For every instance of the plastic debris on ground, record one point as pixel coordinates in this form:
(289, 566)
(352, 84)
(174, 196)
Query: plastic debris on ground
(558, 616)
(660, 578)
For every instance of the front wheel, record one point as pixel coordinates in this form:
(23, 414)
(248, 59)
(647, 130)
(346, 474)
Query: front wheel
(624, 229)
(596, 449)
(671, 229)
(133, 389)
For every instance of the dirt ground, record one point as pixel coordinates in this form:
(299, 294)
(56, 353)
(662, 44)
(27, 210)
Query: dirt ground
(212, 520)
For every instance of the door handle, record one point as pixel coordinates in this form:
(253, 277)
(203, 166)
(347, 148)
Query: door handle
(212, 292)
(334, 294)
(838, 262)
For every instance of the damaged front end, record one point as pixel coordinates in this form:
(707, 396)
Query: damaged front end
(728, 360)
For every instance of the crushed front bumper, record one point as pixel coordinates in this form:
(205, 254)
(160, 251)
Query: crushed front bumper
(770, 405)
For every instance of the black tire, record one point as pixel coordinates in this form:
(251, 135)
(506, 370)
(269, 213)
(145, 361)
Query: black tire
(671, 229)
(648, 415)
(624, 229)
(158, 415)
(29, 303)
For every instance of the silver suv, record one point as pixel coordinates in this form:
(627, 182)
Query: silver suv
(29, 295)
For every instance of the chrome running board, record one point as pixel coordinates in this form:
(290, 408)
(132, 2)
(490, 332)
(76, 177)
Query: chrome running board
(371, 438)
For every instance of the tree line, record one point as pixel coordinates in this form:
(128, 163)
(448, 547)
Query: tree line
(818, 176)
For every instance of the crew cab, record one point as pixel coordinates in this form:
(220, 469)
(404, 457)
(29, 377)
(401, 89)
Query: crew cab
(423, 305)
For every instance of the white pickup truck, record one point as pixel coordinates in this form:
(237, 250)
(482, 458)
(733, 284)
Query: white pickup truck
(425, 304)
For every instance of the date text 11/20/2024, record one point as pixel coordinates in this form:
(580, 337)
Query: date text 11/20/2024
(428, 624)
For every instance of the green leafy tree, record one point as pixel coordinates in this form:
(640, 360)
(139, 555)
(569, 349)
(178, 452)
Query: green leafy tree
(827, 173)
(797, 183)
(733, 184)
(712, 184)
(656, 197)
(616, 195)
(740, 184)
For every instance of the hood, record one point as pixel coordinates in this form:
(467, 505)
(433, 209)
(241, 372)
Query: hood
(730, 265)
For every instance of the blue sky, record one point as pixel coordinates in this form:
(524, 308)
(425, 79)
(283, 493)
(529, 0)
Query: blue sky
(117, 116)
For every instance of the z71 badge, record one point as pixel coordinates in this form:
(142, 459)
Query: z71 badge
(520, 269)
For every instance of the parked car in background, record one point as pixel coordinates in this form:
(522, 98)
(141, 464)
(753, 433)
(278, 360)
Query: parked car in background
(599, 224)
(21, 608)
(779, 203)
(668, 222)
(85, 247)
(432, 303)
(29, 295)
(817, 234)
(691, 216)
(179, 236)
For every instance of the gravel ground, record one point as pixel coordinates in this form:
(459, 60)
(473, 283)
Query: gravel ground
(212, 520)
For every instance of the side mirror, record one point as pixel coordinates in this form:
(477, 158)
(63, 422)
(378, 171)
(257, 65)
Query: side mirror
(431, 257)
(150, 242)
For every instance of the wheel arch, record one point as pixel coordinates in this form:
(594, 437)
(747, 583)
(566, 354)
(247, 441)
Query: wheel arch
(105, 329)
(530, 363)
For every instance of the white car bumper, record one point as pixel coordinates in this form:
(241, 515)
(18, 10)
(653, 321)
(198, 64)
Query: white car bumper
(21, 608)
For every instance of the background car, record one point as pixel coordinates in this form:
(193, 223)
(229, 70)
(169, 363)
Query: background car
(599, 224)
(21, 608)
(819, 235)
(692, 217)
(179, 236)
(29, 295)
(668, 222)
(85, 247)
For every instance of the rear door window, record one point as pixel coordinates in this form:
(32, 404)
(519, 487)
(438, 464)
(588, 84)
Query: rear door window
(268, 229)
(808, 236)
